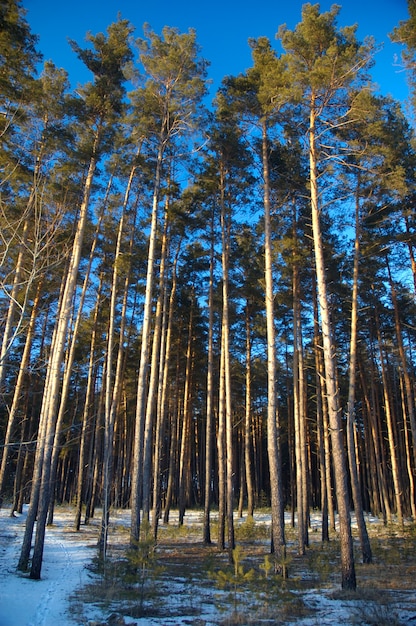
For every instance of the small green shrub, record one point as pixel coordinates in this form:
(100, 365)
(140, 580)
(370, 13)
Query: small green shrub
(235, 578)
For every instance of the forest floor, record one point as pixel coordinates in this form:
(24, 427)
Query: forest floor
(181, 581)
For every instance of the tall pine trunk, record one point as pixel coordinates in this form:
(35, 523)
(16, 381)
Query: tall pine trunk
(38, 508)
(355, 485)
(142, 382)
(332, 392)
(210, 393)
(278, 544)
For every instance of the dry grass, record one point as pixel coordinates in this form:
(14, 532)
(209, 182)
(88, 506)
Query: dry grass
(183, 579)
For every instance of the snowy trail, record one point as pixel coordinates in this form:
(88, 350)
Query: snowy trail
(25, 602)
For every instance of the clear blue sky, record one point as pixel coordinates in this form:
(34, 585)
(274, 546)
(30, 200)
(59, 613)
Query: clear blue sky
(223, 28)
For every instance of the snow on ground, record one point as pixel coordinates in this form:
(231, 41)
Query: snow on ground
(26, 602)
(67, 555)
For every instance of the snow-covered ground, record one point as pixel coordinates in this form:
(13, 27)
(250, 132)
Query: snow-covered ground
(26, 602)
(67, 555)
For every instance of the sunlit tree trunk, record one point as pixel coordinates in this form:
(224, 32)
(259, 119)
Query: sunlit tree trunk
(355, 486)
(210, 393)
(51, 398)
(86, 416)
(155, 364)
(299, 418)
(162, 409)
(278, 544)
(248, 420)
(332, 392)
(225, 345)
(390, 429)
(184, 457)
(113, 384)
(66, 382)
(136, 488)
(221, 451)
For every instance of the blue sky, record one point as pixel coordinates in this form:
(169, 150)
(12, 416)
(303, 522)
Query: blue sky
(223, 28)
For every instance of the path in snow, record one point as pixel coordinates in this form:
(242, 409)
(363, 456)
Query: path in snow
(26, 602)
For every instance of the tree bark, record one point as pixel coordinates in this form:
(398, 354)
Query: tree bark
(355, 485)
(210, 393)
(136, 487)
(51, 395)
(334, 409)
(278, 544)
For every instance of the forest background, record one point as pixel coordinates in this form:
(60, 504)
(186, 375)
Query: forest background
(207, 305)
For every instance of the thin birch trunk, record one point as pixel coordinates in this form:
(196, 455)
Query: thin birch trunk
(8, 334)
(327, 508)
(298, 418)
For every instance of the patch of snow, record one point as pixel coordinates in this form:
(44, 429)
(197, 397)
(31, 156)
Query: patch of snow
(26, 602)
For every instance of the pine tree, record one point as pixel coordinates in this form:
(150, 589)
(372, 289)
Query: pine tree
(260, 95)
(323, 62)
(166, 112)
(102, 101)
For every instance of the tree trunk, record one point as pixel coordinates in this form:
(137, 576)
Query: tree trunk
(278, 544)
(210, 394)
(51, 394)
(13, 413)
(248, 420)
(390, 429)
(113, 385)
(184, 457)
(408, 386)
(142, 382)
(299, 417)
(86, 416)
(334, 409)
(155, 372)
(225, 343)
(355, 486)
(221, 450)
(163, 395)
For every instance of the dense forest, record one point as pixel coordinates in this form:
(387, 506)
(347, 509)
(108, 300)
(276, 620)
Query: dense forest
(202, 305)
